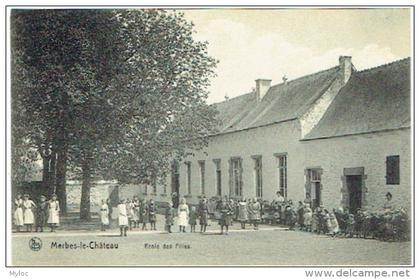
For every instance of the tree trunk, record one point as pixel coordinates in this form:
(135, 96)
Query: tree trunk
(46, 173)
(52, 172)
(62, 148)
(85, 199)
(61, 171)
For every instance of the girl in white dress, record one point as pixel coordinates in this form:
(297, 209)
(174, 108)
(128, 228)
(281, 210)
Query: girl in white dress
(53, 213)
(122, 218)
(28, 214)
(18, 215)
(183, 213)
(104, 215)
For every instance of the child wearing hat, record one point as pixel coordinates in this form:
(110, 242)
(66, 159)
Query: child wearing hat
(28, 214)
(53, 213)
(122, 218)
(41, 214)
(18, 214)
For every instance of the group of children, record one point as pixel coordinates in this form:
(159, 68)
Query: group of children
(27, 213)
(132, 213)
(387, 225)
(187, 216)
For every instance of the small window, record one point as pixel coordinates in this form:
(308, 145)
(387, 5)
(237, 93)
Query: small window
(235, 172)
(393, 170)
(282, 173)
(258, 176)
(202, 176)
(188, 178)
(218, 177)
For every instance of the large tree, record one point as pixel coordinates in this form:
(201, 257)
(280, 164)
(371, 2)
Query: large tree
(112, 93)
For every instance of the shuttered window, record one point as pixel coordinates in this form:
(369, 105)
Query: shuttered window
(393, 170)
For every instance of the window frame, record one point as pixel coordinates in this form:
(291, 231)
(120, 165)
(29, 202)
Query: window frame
(202, 172)
(282, 176)
(392, 161)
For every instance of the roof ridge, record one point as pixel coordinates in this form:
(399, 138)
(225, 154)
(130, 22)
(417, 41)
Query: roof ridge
(385, 65)
(279, 84)
(233, 98)
(305, 76)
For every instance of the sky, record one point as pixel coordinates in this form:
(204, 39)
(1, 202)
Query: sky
(265, 43)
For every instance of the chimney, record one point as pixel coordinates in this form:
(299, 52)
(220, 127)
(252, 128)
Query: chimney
(261, 88)
(346, 68)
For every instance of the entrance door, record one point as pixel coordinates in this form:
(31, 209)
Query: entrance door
(316, 202)
(354, 186)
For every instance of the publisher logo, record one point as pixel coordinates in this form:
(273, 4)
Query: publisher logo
(35, 243)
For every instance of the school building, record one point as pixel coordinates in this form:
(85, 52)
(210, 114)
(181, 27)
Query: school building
(341, 135)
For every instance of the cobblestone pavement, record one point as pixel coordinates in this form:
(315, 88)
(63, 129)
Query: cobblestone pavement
(268, 246)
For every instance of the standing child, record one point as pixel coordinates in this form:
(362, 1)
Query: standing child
(53, 213)
(152, 214)
(169, 217)
(183, 213)
(350, 225)
(242, 212)
(334, 229)
(18, 215)
(203, 213)
(28, 214)
(41, 214)
(307, 218)
(104, 215)
(129, 206)
(136, 211)
(192, 218)
(255, 213)
(225, 215)
(122, 217)
(144, 214)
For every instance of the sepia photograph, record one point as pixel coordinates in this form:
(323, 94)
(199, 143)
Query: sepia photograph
(210, 136)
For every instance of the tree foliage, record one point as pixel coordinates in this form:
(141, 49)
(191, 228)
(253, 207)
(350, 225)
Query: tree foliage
(110, 93)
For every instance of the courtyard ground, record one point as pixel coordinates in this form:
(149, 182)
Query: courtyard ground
(268, 246)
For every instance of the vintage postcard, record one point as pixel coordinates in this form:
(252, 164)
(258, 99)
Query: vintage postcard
(210, 136)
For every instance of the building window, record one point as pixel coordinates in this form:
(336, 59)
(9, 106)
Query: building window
(217, 163)
(202, 167)
(236, 177)
(258, 176)
(393, 170)
(282, 166)
(188, 177)
(175, 177)
(314, 186)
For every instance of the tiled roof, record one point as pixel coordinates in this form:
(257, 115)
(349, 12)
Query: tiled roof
(376, 99)
(281, 103)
